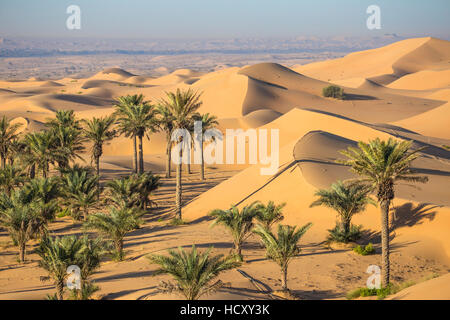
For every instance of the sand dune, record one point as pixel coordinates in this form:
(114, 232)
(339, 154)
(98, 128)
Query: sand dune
(384, 64)
(400, 90)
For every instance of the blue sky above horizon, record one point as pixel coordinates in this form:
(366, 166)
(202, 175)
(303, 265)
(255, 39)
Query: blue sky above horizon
(222, 19)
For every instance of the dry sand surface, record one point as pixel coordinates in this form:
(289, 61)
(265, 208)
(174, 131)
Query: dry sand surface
(401, 90)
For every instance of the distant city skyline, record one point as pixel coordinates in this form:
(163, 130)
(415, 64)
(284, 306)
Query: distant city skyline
(197, 19)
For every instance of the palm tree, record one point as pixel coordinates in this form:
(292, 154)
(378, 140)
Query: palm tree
(80, 192)
(8, 133)
(68, 145)
(283, 247)
(44, 193)
(182, 105)
(16, 149)
(22, 220)
(89, 261)
(124, 192)
(116, 225)
(63, 118)
(41, 153)
(57, 254)
(165, 123)
(347, 200)
(381, 164)
(240, 224)
(192, 271)
(208, 122)
(11, 176)
(147, 184)
(99, 131)
(136, 118)
(270, 214)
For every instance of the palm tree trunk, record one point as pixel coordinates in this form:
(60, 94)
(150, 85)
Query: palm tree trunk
(32, 171)
(3, 161)
(135, 162)
(238, 251)
(141, 156)
(119, 249)
(97, 168)
(22, 249)
(60, 290)
(385, 241)
(169, 158)
(284, 279)
(202, 163)
(85, 214)
(178, 191)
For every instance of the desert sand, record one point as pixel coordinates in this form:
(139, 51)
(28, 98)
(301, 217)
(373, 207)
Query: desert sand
(401, 90)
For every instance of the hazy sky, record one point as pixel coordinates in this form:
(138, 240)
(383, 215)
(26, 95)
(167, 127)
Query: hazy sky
(222, 19)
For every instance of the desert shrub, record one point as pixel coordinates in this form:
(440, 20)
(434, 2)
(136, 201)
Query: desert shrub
(333, 92)
(338, 234)
(366, 292)
(364, 250)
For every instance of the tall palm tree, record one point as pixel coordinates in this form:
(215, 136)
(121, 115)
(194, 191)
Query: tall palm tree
(41, 153)
(116, 225)
(208, 122)
(192, 271)
(57, 254)
(270, 214)
(239, 222)
(165, 123)
(381, 164)
(283, 247)
(347, 200)
(11, 176)
(137, 118)
(182, 105)
(8, 133)
(22, 220)
(80, 192)
(99, 131)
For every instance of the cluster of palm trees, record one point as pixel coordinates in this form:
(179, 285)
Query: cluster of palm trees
(379, 165)
(31, 198)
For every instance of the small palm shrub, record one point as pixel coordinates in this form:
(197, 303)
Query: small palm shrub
(11, 177)
(193, 272)
(339, 234)
(57, 254)
(282, 247)
(44, 193)
(364, 250)
(238, 222)
(115, 225)
(270, 214)
(80, 192)
(22, 220)
(333, 92)
(347, 199)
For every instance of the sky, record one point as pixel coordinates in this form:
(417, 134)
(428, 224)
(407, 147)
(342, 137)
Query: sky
(222, 19)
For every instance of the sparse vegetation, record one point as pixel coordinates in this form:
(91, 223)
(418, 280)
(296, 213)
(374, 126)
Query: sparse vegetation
(333, 92)
(238, 222)
(193, 272)
(282, 247)
(364, 250)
